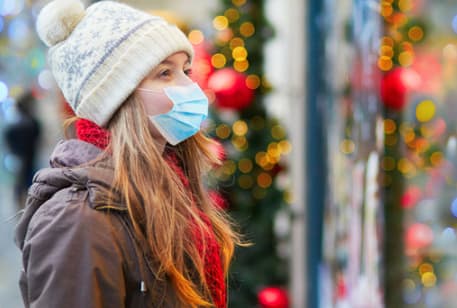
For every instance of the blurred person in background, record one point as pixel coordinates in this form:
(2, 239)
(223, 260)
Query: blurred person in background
(122, 217)
(22, 138)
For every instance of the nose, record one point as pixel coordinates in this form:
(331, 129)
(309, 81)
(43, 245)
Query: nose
(183, 79)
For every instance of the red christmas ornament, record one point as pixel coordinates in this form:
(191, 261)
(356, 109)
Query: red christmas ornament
(396, 85)
(273, 297)
(230, 89)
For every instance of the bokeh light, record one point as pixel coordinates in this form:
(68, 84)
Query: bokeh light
(240, 128)
(425, 111)
(220, 22)
(454, 207)
(18, 31)
(247, 29)
(416, 33)
(454, 24)
(347, 146)
(3, 91)
(218, 60)
(238, 2)
(196, 37)
(252, 81)
(232, 14)
(389, 126)
(46, 80)
(418, 236)
(11, 7)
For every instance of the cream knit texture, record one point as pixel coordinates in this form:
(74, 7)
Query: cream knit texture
(107, 54)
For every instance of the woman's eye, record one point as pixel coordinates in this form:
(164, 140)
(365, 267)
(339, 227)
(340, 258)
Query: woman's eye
(188, 72)
(165, 73)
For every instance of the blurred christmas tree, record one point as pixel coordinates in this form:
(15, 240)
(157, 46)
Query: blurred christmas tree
(253, 178)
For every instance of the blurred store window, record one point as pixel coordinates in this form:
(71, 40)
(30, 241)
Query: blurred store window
(391, 213)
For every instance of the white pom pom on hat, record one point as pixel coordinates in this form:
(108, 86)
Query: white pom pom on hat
(57, 20)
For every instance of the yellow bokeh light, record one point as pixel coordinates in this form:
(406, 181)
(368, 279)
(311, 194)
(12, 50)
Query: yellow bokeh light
(428, 279)
(236, 42)
(246, 181)
(425, 111)
(409, 136)
(218, 60)
(239, 53)
(405, 166)
(386, 51)
(196, 37)
(416, 33)
(247, 29)
(425, 268)
(229, 167)
(274, 151)
(385, 63)
(278, 132)
(388, 163)
(252, 81)
(406, 58)
(407, 46)
(388, 41)
(405, 5)
(389, 126)
(241, 66)
(240, 128)
(286, 147)
(427, 130)
(223, 131)
(261, 159)
(436, 159)
(245, 165)
(240, 143)
(238, 2)
(264, 180)
(421, 145)
(386, 9)
(232, 14)
(347, 146)
(220, 22)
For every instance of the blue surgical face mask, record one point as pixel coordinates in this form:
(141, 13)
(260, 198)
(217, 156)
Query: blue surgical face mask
(190, 108)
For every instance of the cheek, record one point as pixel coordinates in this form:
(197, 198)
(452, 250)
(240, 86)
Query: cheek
(155, 104)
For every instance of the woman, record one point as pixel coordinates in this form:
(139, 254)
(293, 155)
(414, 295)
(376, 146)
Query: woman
(122, 219)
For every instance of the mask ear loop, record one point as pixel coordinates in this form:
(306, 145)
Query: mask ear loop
(149, 90)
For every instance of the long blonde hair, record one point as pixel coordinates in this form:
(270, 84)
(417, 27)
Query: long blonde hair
(162, 210)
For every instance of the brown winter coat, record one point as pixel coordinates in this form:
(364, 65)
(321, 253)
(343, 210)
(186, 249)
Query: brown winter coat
(78, 251)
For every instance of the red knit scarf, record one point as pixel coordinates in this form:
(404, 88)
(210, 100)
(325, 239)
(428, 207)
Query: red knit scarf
(214, 274)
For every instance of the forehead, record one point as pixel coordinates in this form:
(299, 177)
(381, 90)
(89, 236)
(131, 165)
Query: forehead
(177, 58)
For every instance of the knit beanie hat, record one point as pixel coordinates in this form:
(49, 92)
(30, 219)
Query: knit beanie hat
(98, 56)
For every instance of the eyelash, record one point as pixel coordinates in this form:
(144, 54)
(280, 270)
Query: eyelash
(167, 72)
